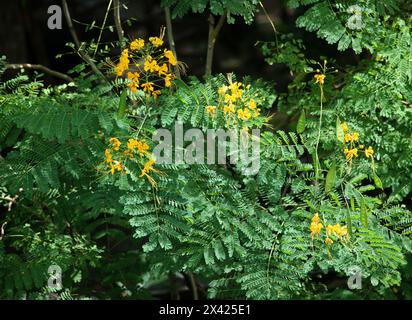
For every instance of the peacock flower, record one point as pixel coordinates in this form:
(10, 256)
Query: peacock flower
(369, 152)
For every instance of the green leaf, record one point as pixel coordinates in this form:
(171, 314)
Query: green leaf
(363, 213)
(122, 105)
(301, 122)
(377, 181)
(330, 178)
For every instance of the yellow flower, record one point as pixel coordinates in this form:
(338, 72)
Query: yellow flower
(315, 228)
(117, 166)
(351, 137)
(108, 156)
(156, 41)
(137, 45)
(163, 69)
(344, 127)
(229, 98)
(148, 87)
(211, 110)
(142, 147)
(170, 56)
(337, 230)
(150, 65)
(252, 104)
(320, 78)
(115, 143)
(237, 93)
(133, 76)
(133, 86)
(244, 114)
(156, 93)
(168, 80)
(315, 218)
(229, 108)
(343, 231)
(328, 241)
(147, 168)
(123, 64)
(350, 154)
(369, 152)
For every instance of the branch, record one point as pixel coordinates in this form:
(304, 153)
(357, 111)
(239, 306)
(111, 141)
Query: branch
(117, 20)
(169, 28)
(213, 34)
(82, 54)
(40, 68)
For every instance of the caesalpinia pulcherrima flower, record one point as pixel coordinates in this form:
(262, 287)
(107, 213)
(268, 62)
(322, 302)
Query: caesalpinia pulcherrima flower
(237, 105)
(119, 156)
(148, 61)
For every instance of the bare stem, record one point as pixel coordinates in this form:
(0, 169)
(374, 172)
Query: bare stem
(213, 34)
(102, 28)
(39, 67)
(118, 21)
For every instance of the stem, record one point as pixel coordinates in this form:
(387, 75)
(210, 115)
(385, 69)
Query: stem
(41, 68)
(213, 34)
(319, 133)
(170, 37)
(102, 28)
(118, 21)
(271, 22)
(193, 285)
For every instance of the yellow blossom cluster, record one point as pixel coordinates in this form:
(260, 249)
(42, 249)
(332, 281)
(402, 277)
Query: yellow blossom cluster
(341, 232)
(147, 66)
(320, 78)
(351, 150)
(315, 226)
(235, 102)
(120, 156)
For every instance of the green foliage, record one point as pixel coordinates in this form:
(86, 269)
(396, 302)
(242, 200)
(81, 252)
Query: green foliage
(246, 9)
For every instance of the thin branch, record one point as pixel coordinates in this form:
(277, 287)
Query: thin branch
(118, 21)
(70, 24)
(213, 34)
(170, 37)
(270, 21)
(102, 28)
(39, 67)
(76, 40)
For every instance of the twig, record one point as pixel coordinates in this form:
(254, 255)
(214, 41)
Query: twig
(39, 67)
(102, 28)
(82, 54)
(213, 34)
(118, 21)
(270, 21)
(170, 37)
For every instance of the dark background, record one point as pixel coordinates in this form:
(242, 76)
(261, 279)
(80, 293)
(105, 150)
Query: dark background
(25, 38)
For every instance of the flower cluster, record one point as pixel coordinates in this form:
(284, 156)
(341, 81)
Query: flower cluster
(147, 66)
(351, 149)
(315, 226)
(236, 103)
(320, 78)
(120, 156)
(332, 231)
